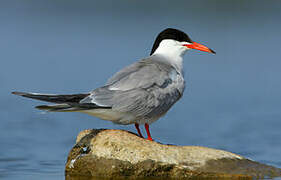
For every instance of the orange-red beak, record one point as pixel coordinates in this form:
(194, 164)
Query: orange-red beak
(199, 47)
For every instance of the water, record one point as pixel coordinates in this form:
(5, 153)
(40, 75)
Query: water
(232, 100)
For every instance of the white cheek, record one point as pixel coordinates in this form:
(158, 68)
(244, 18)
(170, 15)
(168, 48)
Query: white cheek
(185, 43)
(184, 48)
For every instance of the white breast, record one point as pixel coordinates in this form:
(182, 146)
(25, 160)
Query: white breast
(110, 115)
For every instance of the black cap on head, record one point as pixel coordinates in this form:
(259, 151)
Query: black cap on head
(170, 33)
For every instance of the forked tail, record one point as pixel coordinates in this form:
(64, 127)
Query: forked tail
(64, 103)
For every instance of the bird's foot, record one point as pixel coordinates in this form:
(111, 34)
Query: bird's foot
(149, 138)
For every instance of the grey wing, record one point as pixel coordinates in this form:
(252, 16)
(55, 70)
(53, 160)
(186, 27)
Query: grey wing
(146, 89)
(139, 75)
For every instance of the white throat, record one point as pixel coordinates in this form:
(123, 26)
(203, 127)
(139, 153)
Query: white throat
(171, 51)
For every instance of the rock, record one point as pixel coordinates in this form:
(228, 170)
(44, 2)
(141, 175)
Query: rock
(118, 153)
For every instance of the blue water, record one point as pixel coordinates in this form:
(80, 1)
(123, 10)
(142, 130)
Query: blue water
(232, 100)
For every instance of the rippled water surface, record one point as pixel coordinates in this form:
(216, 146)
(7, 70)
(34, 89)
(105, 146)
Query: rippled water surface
(232, 100)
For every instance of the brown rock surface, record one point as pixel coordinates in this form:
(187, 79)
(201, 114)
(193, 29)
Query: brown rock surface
(118, 153)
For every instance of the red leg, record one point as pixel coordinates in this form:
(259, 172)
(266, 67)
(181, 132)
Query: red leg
(138, 129)
(147, 131)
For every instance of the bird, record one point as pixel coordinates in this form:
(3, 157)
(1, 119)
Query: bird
(138, 94)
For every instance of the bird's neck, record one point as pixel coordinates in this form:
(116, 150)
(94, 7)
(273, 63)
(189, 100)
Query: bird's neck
(174, 58)
(171, 52)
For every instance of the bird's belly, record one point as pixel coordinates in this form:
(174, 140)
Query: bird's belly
(110, 115)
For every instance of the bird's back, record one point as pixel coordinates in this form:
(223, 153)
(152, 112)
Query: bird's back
(146, 90)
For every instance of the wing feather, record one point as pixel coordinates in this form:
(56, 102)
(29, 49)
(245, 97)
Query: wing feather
(146, 89)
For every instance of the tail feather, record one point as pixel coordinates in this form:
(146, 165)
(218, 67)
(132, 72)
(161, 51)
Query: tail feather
(64, 103)
(71, 98)
(58, 108)
(69, 108)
